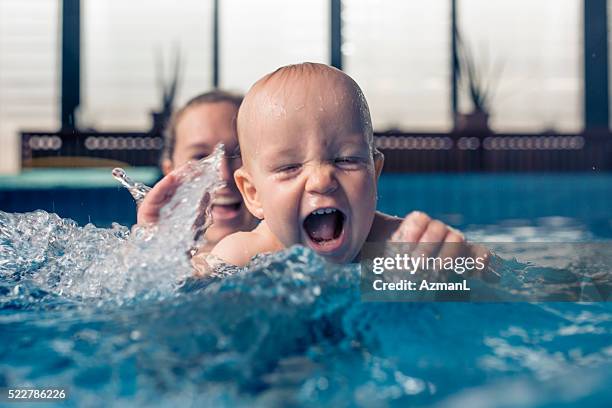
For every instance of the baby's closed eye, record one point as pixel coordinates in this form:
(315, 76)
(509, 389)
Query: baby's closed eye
(350, 162)
(288, 168)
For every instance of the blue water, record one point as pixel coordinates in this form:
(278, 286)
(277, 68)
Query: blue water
(291, 330)
(467, 200)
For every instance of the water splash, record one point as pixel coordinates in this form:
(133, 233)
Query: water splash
(55, 255)
(137, 190)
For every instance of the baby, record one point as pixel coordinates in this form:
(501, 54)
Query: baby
(310, 171)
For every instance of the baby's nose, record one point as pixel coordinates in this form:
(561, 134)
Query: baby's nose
(321, 179)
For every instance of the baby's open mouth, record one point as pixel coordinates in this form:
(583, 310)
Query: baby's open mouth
(324, 227)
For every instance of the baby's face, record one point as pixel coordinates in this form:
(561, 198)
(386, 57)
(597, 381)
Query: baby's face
(311, 168)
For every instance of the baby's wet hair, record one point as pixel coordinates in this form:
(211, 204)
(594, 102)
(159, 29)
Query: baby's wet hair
(286, 75)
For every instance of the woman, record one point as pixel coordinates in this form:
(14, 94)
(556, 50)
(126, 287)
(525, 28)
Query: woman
(193, 132)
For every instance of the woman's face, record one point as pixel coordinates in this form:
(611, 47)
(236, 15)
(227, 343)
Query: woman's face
(199, 129)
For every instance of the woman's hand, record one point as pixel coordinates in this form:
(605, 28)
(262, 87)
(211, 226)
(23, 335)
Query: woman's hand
(160, 195)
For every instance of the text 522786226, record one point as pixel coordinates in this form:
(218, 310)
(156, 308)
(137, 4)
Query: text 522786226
(31, 394)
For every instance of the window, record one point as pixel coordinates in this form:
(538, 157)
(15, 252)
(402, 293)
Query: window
(121, 45)
(29, 65)
(399, 53)
(259, 36)
(539, 44)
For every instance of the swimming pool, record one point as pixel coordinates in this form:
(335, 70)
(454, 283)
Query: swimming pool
(82, 194)
(293, 330)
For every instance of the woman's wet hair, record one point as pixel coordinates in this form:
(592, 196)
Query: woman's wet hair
(214, 96)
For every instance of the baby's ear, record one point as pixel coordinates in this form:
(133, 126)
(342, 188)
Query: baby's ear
(248, 192)
(379, 161)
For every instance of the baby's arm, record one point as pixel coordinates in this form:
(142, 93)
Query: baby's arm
(434, 237)
(419, 227)
(416, 227)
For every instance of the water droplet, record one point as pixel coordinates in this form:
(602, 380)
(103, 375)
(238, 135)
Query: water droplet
(135, 335)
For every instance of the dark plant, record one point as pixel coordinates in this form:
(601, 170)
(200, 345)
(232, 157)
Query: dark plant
(480, 81)
(167, 88)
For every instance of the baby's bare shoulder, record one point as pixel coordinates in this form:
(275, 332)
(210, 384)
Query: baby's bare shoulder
(237, 248)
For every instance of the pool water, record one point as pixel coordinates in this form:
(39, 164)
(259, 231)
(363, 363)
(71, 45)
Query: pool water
(292, 331)
(506, 202)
